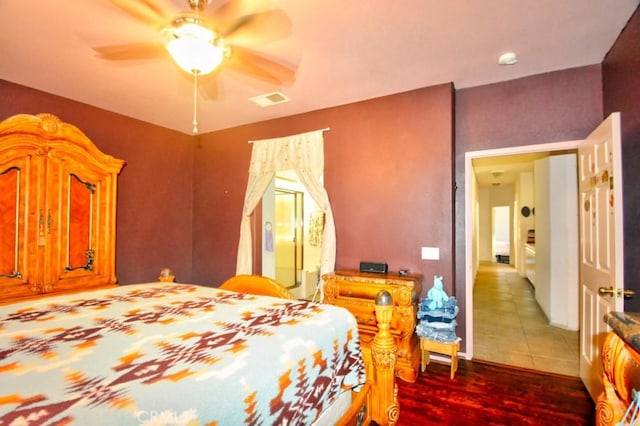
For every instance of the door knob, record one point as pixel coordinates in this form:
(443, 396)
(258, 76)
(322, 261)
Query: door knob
(627, 294)
(606, 291)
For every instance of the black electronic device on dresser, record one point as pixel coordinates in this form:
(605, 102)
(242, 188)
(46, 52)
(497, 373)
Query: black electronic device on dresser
(374, 267)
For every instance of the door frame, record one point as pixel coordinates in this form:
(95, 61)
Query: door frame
(469, 176)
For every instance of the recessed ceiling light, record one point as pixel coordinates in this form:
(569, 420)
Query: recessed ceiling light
(508, 58)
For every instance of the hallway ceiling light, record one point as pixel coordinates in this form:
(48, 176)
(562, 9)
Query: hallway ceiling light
(497, 174)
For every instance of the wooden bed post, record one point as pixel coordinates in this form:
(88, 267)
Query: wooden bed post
(166, 276)
(384, 393)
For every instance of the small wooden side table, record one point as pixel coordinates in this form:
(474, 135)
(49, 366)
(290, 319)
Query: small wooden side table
(444, 348)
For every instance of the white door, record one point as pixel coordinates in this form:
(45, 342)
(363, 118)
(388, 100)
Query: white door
(601, 256)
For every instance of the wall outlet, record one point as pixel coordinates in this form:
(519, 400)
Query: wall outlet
(430, 253)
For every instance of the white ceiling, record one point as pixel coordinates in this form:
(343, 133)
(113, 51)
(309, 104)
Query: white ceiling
(346, 50)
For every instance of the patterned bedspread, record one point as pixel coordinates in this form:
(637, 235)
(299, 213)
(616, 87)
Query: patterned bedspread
(165, 353)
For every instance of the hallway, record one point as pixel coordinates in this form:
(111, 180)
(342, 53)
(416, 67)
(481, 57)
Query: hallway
(510, 328)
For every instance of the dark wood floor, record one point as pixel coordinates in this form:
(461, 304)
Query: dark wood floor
(490, 394)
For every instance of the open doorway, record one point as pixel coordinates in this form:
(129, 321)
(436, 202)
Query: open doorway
(292, 235)
(501, 234)
(288, 239)
(506, 271)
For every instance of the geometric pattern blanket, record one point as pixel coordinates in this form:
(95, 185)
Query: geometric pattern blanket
(169, 354)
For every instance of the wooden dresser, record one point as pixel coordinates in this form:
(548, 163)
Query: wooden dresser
(356, 291)
(58, 215)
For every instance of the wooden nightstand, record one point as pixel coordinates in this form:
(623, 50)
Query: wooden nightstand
(449, 348)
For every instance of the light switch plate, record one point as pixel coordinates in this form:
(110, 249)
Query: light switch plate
(430, 253)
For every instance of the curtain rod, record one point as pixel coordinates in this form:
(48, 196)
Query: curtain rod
(326, 129)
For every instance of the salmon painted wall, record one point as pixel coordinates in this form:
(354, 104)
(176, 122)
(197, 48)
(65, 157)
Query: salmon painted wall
(621, 87)
(388, 173)
(154, 187)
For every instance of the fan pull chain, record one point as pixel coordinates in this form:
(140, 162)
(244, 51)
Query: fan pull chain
(195, 101)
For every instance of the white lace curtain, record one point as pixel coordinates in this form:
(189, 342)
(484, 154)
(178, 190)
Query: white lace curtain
(303, 153)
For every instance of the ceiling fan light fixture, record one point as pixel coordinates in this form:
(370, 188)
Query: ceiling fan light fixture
(195, 49)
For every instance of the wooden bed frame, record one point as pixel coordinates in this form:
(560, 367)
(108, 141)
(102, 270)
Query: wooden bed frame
(378, 400)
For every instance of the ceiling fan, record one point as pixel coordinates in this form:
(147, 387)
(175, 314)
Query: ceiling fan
(203, 41)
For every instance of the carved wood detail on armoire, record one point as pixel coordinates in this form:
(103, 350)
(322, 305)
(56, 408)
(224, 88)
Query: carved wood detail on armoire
(57, 209)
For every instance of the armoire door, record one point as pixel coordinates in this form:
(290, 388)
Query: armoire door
(21, 228)
(78, 215)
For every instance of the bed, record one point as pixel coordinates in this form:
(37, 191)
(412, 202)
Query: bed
(502, 251)
(169, 353)
(76, 348)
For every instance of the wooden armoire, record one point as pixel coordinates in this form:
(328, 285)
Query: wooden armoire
(57, 209)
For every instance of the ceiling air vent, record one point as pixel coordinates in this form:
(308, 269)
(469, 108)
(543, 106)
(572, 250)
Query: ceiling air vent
(270, 99)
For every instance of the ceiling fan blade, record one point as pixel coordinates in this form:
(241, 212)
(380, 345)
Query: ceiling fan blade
(131, 51)
(161, 7)
(146, 11)
(260, 67)
(208, 85)
(264, 26)
(228, 10)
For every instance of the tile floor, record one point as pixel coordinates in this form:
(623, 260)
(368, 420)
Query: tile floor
(510, 328)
